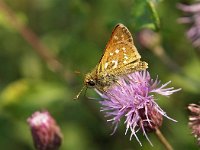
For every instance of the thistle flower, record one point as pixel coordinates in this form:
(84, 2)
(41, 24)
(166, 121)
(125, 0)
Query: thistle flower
(194, 120)
(133, 99)
(193, 18)
(45, 131)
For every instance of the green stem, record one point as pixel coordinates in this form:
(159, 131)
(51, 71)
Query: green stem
(154, 14)
(163, 140)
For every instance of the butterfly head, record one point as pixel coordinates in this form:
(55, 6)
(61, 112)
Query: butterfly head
(89, 81)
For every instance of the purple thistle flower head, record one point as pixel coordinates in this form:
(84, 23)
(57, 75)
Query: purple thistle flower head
(45, 131)
(133, 99)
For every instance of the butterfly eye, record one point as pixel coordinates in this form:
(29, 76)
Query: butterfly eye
(91, 83)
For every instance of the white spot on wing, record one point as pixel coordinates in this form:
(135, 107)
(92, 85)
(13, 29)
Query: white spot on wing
(115, 62)
(125, 57)
(122, 36)
(115, 37)
(124, 49)
(106, 65)
(111, 54)
(116, 51)
(124, 61)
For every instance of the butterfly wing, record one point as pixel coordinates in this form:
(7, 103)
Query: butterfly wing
(119, 52)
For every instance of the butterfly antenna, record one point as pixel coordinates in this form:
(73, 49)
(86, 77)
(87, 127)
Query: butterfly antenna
(77, 96)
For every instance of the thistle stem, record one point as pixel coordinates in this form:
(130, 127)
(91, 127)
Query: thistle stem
(163, 140)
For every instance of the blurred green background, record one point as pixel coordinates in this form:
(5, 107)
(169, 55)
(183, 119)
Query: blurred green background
(76, 32)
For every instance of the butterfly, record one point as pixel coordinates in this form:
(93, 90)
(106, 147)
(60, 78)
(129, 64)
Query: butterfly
(120, 58)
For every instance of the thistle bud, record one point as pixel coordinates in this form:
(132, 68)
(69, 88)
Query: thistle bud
(45, 131)
(152, 120)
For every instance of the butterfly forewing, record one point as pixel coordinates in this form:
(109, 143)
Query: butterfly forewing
(119, 52)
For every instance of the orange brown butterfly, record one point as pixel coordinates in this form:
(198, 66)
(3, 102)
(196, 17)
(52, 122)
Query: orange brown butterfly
(120, 58)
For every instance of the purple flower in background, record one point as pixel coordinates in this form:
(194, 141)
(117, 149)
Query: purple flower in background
(45, 131)
(133, 99)
(194, 120)
(193, 18)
